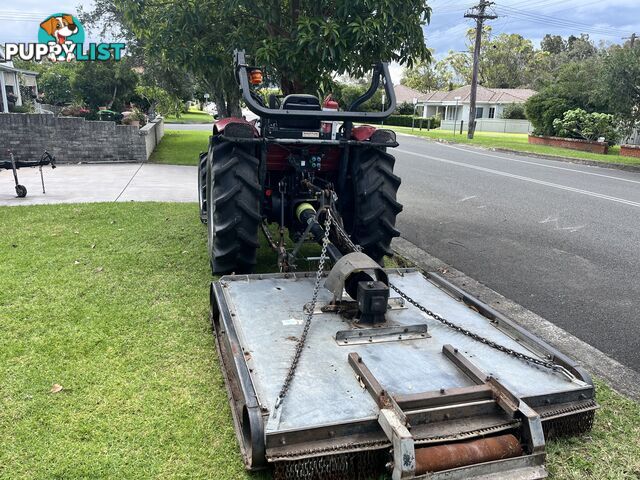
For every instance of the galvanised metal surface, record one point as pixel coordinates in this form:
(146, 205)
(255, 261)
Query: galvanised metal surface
(267, 315)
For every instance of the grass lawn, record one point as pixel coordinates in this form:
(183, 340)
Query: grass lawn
(192, 116)
(518, 141)
(181, 147)
(110, 301)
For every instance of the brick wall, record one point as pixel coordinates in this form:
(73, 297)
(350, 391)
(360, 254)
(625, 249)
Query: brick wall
(571, 143)
(630, 151)
(73, 140)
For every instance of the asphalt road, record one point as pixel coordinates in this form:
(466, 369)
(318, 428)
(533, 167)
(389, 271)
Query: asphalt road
(563, 240)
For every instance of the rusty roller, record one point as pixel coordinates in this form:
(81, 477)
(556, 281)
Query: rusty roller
(454, 455)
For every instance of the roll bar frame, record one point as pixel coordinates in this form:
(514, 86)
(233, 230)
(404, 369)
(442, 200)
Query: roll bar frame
(380, 70)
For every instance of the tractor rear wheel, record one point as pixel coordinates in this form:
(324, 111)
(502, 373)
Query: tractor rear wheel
(371, 207)
(202, 186)
(233, 207)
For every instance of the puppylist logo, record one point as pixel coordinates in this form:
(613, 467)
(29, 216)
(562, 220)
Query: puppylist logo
(61, 38)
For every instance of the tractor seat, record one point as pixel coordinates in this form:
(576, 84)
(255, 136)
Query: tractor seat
(301, 101)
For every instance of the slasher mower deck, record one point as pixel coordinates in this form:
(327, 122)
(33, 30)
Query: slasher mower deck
(355, 384)
(346, 374)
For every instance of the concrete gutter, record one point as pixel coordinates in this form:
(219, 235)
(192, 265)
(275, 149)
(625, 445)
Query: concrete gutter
(621, 378)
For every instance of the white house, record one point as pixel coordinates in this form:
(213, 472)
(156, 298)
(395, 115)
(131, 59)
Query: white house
(10, 80)
(454, 104)
(453, 107)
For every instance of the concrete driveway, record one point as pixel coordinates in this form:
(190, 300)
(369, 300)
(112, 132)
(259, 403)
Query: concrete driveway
(102, 183)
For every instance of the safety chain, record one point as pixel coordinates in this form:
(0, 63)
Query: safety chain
(312, 306)
(475, 336)
(345, 236)
(444, 321)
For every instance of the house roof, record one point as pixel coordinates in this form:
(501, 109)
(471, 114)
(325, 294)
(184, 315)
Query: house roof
(406, 94)
(6, 68)
(484, 95)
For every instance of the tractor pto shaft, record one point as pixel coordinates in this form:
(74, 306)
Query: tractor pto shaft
(454, 455)
(307, 214)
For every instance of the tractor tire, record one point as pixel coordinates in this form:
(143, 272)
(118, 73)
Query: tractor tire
(202, 186)
(370, 210)
(233, 207)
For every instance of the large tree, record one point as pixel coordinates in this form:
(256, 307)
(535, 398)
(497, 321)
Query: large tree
(109, 84)
(506, 61)
(618, 85)
(427, 76)
(553, 44)
(304, 42)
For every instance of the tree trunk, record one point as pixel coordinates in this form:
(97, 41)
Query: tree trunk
(233, 103)
(221, 104)
(292, 85)
(113, 97)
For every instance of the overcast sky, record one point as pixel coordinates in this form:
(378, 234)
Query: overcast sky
(604, 20)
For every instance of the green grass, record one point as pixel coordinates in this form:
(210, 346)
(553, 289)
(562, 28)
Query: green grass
(111, 302)
(192, 116)
(181, 147)
(518, 142)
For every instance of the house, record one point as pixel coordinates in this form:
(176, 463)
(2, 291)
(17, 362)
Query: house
(453, 105)
(11, 79)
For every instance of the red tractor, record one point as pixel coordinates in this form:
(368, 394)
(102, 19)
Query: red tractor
(298, 158)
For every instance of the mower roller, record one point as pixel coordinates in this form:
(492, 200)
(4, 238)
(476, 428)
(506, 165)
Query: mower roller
(355, 370)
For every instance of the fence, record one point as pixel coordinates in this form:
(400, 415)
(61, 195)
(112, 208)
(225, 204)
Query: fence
(491, 125)
(74, 140)
(633, 139)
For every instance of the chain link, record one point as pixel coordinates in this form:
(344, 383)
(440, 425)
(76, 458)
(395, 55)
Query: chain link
(452, 325)
(312, 306)
(475, 336)
(345, 237)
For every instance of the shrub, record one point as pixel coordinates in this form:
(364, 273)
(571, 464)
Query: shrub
(544, 107)
(578, 123)
(74, 111)
(406, 121)
(405, 108)
(514, 111)
(20, 109)
(161, 101)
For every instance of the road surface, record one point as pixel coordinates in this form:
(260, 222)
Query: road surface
(563, 240)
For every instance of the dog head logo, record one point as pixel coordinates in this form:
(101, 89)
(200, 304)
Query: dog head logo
(61, 29)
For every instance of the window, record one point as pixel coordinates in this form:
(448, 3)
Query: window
(492, 112)
(479, 112)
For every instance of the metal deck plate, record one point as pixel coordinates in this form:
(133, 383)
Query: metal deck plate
(267, 313)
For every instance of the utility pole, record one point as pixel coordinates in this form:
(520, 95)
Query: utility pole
(632, 39)
(479, 14)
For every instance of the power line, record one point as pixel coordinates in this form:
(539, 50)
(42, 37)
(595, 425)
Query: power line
(554, 21)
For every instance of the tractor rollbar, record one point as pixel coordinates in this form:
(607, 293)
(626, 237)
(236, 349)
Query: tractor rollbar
(380, 70)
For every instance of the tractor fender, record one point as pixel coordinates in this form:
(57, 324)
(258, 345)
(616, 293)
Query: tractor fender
(220, 125)
(362, 132)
